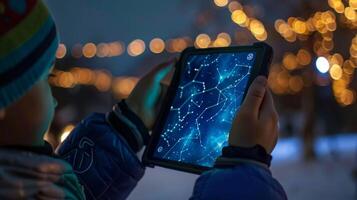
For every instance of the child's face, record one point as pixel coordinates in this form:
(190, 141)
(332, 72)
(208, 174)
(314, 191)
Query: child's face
(26, 121)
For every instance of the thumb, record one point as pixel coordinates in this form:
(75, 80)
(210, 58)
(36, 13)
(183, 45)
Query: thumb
(255, 96)
(268, 109)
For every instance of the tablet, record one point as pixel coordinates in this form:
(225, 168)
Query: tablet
(207, 90)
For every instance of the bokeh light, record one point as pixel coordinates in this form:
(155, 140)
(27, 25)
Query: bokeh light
(336, 72)
(89, 50)
(303, 57)
(322, 64)
(234, 5)
(103, 81)
(239, 17)
(136, 47)
(123, 86)
(61, 51)
(157, 45)
(221, 3)
(202, 40)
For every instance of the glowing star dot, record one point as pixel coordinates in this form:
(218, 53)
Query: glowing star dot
(322, 64)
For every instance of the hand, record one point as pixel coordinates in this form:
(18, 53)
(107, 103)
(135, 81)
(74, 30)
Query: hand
(257, 120)
(146, 98)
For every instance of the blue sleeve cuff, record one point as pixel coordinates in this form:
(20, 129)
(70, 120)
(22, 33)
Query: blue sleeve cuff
(232, 156)
(128, 125)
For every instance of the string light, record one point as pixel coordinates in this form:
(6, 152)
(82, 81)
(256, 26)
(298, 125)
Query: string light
(136, 47)
(102, 80)
(303, 57)
(336, 72)
(202, 41)
(222, 40)
(123, 86)
(157, 45)
(116, 49)
(234, 5)
(239, 17)
(290, 61)
(353, 3)
(221, 3)
(296, 84)
(61, 51)
(102, 50)
(89, 50)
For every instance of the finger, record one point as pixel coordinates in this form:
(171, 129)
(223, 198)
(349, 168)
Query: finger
(267, 110)
(165, 82)
(161, 71)
(255, 96)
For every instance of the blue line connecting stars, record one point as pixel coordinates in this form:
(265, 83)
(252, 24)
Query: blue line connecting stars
(209, 95)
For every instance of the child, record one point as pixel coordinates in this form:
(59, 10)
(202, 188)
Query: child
(98, 160)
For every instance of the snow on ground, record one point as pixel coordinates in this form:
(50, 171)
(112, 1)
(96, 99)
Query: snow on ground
(328, 178)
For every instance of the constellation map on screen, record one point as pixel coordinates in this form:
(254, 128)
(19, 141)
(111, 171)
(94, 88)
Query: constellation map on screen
(209, 94)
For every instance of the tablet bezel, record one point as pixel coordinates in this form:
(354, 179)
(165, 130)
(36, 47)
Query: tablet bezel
(260, 67)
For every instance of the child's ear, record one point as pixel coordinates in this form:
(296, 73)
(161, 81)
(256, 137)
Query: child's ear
(2, 114)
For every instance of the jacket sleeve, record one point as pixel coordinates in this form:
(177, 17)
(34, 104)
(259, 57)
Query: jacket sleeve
(243, 181)
(103, 161)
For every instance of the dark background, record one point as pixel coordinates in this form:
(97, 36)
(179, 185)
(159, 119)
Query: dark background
(318, 147)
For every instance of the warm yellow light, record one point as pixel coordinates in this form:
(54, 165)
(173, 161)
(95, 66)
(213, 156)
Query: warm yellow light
(348, 68)
(83, 76)
(350, 13)
(179, 44)
(103, 81)
(221, 3)
(102, 50)
(261, 37)
(123, 86)
(296, 83)
(283, 79)
(327, 45)
(290, 62)
(66, 80)
(61, 51)
(136, 47)
(336, 59)
(223, 40)
(202, 40)
(66, 131)
(89, 50)
(353, 3)
(347, 97)
(303, 57)
(277, 25)
(336, 72)
(115, 49)
(239, 17)
(234, 5)
(353, 52)
(157, 45)
(256, 27)
(339, 7)
(299, 26)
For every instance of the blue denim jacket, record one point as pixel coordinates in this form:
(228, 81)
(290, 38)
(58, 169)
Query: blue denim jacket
(108, 169)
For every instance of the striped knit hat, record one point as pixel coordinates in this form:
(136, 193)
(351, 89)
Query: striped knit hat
(28, 43)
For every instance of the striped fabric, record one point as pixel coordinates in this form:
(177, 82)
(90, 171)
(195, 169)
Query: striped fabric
(28, 43)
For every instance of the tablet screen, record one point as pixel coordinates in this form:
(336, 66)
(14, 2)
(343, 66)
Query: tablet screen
(210, 92)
